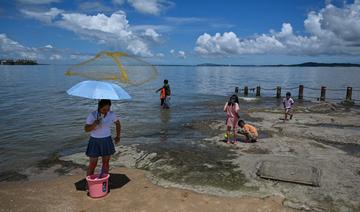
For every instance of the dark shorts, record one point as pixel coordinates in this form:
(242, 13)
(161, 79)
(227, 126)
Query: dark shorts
(162, 101)
(100, 147)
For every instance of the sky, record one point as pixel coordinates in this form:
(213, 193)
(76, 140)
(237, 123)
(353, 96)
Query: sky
(182, 32)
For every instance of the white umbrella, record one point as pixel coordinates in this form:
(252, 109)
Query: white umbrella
(98, 90)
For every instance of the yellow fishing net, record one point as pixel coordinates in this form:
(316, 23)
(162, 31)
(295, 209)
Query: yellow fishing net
(118, 66)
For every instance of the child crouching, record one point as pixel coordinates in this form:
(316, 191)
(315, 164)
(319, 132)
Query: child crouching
(248, 131)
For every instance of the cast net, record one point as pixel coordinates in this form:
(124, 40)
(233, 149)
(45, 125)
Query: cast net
(117, 66)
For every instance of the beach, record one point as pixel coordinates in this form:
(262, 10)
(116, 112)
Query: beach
(139, 194)
(209, 175)
(180, 105)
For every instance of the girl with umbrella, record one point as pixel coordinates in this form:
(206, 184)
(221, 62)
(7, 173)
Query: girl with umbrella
(100, 143)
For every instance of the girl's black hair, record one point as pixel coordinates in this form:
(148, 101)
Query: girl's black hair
(103, 102)
(288, 94)
(233, 99)
(166, 81)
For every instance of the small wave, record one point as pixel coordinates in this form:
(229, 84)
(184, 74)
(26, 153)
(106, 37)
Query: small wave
(249, 99)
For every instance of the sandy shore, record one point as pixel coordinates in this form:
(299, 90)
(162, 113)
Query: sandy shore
(210, 175)
(324, 137)
(134, 193)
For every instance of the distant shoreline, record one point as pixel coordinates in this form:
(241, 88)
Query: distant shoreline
(18, 62)
(307, 64)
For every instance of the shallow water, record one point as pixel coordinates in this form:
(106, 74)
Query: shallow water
(39, 119)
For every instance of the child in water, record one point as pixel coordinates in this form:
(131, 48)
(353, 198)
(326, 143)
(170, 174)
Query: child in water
(165, 93)
(232, 108)
(248, 130)
(288, 102)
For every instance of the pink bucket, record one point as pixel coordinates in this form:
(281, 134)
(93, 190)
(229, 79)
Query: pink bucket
(98, 187)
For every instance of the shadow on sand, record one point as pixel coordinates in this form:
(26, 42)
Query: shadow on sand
(115, 181)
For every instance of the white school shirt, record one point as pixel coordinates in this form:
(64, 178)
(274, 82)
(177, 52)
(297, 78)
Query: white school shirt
(288, 102)
(103, 129)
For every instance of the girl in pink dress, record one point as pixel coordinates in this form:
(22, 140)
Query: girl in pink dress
(232, 108)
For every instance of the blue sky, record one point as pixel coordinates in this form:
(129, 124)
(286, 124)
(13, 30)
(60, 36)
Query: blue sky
(183, 32)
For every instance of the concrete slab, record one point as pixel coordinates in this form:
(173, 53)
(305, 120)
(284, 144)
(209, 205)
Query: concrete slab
(294, 172)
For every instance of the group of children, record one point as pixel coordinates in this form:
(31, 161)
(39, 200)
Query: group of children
(248, 131)
(232, 114)
(99, 121)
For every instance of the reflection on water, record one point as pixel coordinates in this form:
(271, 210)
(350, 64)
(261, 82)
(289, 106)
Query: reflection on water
(39, 119)
(165, 117)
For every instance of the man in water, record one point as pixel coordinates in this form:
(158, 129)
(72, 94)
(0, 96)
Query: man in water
(165, 95)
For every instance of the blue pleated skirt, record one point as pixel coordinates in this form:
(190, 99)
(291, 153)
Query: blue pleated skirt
(98, 147)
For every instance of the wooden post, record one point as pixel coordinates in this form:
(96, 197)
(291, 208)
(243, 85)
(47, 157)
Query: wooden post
(246, 91)
(348, 93)
(301, 92)
(236, 90)
(278, 92)
(258, 91)
(322, 94)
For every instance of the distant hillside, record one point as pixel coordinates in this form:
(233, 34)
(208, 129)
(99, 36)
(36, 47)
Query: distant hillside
(307, 64)
(313, 64)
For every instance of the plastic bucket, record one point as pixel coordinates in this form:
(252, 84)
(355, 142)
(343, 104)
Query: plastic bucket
(98, 187)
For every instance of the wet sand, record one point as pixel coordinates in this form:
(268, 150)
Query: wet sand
(324, 136)
(210, 175)
(138, 194)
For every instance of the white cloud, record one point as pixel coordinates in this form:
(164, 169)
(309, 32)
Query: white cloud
(56, 57)
(37, 1)
(184, 20)
(159, 28)
(113, 30)
(152, 7)
(152, 35)
(160, 55)
(14, 50)
(180, 54)
(46, 17)
(332, 30)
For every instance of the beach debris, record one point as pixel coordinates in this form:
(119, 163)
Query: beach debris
(293, 172)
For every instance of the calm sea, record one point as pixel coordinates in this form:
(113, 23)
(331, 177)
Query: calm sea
(38, 119)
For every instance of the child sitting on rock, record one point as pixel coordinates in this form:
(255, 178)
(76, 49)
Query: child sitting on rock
(248, 131)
